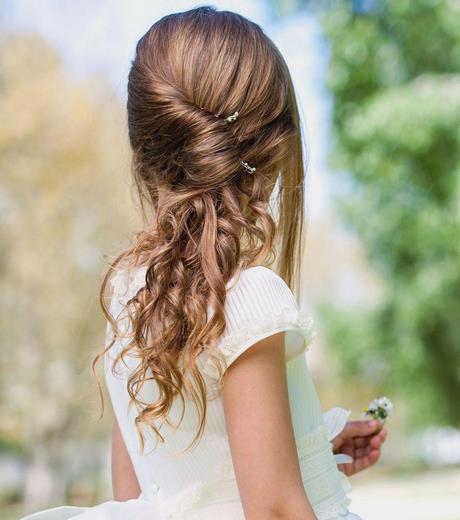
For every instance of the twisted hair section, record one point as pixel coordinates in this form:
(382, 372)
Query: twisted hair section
(210, 216)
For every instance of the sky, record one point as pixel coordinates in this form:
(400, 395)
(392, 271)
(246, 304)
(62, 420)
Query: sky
(100, 37)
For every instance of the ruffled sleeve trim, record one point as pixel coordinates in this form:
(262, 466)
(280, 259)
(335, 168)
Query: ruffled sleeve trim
(335, 420)
(297, 324)
(125, 283)
(260, 305)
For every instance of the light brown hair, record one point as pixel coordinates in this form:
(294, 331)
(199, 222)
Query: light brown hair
(210, 217)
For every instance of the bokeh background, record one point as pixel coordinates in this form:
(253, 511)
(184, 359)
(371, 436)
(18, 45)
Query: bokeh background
(379, 88)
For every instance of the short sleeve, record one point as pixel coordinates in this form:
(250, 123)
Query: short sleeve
(259, 304)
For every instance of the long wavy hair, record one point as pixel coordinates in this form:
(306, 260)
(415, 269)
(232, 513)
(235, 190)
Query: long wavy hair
(210, 216)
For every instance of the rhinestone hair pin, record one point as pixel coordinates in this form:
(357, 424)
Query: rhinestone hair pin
(232, 118)
(250, 169)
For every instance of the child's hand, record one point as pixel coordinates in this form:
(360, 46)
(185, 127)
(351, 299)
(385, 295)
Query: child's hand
(362, 440)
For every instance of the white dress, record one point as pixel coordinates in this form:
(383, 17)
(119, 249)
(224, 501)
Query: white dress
(201, 484)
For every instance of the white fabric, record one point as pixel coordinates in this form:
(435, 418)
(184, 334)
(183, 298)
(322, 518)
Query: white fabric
(201, 483)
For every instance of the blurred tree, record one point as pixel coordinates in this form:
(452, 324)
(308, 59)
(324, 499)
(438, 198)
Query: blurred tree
(64, 204)
(394, 76)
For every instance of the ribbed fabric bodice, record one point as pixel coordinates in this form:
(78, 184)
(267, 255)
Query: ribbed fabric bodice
(259, 303)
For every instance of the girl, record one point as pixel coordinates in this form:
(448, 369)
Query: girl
(216, 414)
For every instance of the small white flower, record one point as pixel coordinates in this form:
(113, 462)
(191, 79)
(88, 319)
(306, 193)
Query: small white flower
(380, 408)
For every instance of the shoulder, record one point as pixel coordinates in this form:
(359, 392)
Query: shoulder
(259, 304)
(257, 277)
(258, 291)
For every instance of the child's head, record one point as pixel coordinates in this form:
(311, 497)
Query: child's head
(191, 72)
(213, 125)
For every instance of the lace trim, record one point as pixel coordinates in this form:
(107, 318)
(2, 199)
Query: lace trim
(319, 464)
(333, 511)
(286, 319)
(335, 420)
(124, 284)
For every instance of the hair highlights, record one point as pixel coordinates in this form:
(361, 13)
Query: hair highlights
(211, 216)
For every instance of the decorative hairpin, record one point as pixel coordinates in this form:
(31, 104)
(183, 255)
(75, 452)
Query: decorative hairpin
(247, 167)
(232, 118)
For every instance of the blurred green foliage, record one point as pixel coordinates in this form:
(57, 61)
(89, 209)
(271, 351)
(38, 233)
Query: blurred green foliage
(394, 77)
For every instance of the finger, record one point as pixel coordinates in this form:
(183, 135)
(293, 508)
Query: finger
(348, 449)
(363, 462)
(362, 452)
(375, 442)
(374, 456)
(337, 443)
(370, 459)
(342, 468)
(360, 428)
(362, 442)
(348, 469)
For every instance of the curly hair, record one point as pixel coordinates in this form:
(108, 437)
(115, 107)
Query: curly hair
(211, 217)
